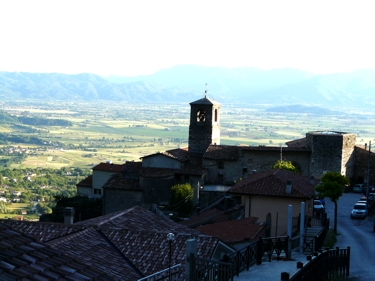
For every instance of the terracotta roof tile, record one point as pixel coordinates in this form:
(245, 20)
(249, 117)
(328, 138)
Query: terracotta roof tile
(139, 219)
(108, 167)
(222, 152)
(92, 246)
(210, 216)
(273, 183)
(87, 182)
(23, 258)
(149, 251)
(42, 231)
(235, 231)
(118, 182)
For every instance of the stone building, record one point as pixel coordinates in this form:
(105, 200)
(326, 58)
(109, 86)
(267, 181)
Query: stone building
(207, 162)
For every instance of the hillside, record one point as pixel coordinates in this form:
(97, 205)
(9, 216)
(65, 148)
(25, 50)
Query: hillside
(181, 84)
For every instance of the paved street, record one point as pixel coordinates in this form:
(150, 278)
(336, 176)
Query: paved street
(357, 234)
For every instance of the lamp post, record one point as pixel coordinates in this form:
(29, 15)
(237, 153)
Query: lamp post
(170, 238)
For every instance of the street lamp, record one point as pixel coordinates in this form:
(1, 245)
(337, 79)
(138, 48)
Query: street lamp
(170, 238)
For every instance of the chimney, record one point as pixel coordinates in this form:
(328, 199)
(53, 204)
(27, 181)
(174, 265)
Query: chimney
(68, 215)
(288, 189)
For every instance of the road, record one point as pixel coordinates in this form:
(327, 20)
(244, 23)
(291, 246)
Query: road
(357, 234)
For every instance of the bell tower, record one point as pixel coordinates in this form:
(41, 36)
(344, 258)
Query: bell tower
(204, 128)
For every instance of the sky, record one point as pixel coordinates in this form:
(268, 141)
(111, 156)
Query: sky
(140, 37)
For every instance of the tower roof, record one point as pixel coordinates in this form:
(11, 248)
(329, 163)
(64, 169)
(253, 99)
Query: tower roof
(204, 101)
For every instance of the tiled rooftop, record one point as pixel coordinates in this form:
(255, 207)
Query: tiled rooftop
(125, 245)
(139, 219)
(108, 167)
(273, 183)
(222, 152)
(87, 182)
(24, 258)
(236, 230)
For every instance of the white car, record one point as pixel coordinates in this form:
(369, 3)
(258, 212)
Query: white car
(359, 211)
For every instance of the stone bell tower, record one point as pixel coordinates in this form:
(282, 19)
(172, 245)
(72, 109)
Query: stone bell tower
(204, 128)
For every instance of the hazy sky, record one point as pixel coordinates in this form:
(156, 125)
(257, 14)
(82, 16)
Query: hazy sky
(134, 37)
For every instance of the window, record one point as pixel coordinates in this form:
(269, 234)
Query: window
(220, 165)
(220, 179)
(215, 115)
(97, 191)
(201, 115)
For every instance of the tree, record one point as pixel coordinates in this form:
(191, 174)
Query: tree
(182, 198)
(332, 185)
(285, 165)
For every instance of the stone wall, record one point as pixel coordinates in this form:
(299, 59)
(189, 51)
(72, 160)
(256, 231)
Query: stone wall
(115, 200)
(331, 151)
(361, 158)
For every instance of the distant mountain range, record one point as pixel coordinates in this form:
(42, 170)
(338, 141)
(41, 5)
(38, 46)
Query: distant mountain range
(186, 83)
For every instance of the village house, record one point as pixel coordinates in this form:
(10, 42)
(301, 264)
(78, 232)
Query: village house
(206, 162)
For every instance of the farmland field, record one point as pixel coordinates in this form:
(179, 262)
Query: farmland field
(122, 132)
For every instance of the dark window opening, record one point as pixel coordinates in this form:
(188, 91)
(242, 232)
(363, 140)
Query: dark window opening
(201, 115)
(220, 179)
(220, 165)
(215, 115)
(97, 191)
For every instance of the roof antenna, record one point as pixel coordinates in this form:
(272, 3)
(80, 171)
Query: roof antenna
(206, 91)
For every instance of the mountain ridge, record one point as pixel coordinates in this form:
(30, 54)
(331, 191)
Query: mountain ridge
(185, 83)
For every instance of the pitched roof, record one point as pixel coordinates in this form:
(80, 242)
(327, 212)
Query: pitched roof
(108, 167)
(43, 231)
(125, 245)
(204, 101)
(91, 246)
(179, 154)
(119, 182)
(235, 230)
(138, 219)
(87, 182)
(24, 258)
(297, 143)
(222, 152)
(149, 252)
(273, 183)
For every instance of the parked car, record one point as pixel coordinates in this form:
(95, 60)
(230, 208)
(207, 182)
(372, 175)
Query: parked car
(358, 188)
(318, 206)
(359, 211)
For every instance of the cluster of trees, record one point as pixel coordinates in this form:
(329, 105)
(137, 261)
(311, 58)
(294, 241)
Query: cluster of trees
(6, 138)
(37, 121)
